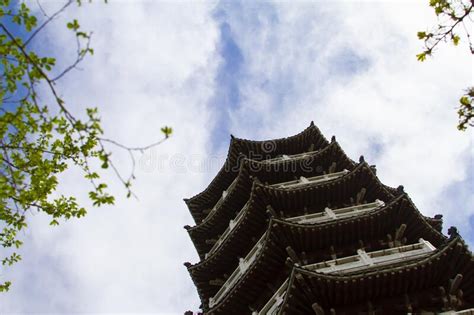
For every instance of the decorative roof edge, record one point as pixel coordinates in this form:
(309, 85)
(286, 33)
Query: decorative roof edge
(246, 169)
(235, 147)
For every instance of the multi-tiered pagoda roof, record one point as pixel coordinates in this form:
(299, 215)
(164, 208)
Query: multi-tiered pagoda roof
(294, 226)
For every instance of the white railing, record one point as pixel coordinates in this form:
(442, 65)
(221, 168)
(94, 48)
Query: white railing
(285, 157)
(244, 264)
(275, 301)
(463, 312)
(311, 180)
(365, 260)
(232, 224)
(221, 199)
(359, 262)
(330, 214)
(310, 217)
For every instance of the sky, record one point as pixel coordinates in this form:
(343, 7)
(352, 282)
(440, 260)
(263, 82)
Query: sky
(257, 70)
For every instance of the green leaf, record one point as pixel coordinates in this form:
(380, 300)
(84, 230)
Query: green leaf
(74, 25)
(5, 286)
(421, 35)
(421, 57)
(465, 101)
(82, 34)
(456, 40)
(167, 131)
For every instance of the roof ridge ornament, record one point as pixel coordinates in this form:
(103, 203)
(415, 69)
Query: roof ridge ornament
(400, 189)
(361, 159)
(271, 212)
(453, 232)
(373, 168)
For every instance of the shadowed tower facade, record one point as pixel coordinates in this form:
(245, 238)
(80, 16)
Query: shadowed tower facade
(294, 226)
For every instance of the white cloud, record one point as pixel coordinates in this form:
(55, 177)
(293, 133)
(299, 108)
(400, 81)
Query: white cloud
(349, 66)
(154, 65)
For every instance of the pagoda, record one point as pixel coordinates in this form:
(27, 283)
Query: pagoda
(294, 226)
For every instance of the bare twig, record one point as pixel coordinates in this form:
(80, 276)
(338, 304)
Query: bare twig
(468, 36)
(41, 9)
(7, 100)
(81, 53)
(141, 149)
(449, 30)
(52, 17)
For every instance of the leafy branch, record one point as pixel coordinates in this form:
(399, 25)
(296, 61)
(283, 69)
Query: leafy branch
(40, 141)
(451, 15)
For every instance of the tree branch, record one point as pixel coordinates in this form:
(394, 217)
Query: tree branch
(80, 56)
(52, 17)
(68, 115)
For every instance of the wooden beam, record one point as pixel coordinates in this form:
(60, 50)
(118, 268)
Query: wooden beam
(271, 212)
(211, 241)
(360, 196)
(455, 283)
(318, 310)
(292, 254)
(217, 282)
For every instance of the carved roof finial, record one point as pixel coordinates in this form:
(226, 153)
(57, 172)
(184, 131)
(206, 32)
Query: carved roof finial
(256, 180)
(453, 232)
(333, 139)
(373, 168)
(400, 189)
(361, 159)
(271, 212)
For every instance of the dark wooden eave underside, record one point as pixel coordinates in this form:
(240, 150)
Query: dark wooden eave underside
(329, 291)
(314, 164)
(281, 233)
(254, 149)
(449, 259)
(316, 196)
